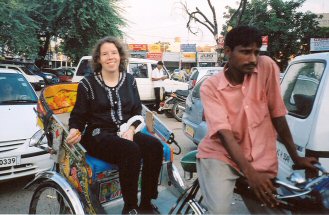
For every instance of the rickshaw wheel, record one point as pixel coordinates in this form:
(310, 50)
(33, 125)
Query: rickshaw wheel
(49, 198)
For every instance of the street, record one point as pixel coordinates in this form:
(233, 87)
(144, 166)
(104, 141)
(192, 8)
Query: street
(15, 200)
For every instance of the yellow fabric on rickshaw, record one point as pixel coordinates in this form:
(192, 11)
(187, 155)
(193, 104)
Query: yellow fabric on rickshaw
(61, 98)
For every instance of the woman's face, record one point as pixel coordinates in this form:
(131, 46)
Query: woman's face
(109, 58)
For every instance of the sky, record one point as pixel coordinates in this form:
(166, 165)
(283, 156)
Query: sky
(150, 21)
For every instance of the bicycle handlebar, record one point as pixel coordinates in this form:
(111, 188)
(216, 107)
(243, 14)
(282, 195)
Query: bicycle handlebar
(307, 188)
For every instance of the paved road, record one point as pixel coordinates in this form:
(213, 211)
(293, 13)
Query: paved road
(15, 200)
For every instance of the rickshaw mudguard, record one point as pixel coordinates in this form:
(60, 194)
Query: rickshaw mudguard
(61, 182)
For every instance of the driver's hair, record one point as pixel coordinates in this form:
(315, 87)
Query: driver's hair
(97, 67)
(244, 36)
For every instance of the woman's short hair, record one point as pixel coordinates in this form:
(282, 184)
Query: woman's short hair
(244, 36)
(97, 67)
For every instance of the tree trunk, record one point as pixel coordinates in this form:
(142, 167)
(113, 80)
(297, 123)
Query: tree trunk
(40, 61)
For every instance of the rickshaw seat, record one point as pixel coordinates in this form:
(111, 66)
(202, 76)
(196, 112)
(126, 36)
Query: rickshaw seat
(99, 166)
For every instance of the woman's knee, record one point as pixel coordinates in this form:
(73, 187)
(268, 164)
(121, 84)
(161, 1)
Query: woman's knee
(156, 147)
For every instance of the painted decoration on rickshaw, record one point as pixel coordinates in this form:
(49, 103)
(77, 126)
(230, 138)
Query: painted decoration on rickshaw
(111, 189)
(61, 98)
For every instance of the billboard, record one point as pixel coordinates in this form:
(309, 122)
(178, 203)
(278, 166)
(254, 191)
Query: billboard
(207, 56)
(319, 44)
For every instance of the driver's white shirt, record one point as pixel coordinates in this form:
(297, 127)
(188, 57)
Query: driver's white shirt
(156, 73)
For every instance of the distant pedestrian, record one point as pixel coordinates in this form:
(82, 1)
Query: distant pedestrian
(157, 78)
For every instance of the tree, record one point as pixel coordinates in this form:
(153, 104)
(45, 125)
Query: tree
(210, 23)
(78, 24)
(288, 30)
(17, 29)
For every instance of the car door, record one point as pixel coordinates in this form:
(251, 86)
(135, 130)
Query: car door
(300, 90)
(142, 72)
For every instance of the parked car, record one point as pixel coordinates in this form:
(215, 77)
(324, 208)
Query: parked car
(18, 129)
(32, 68)
(194, 124)
(141, 69)
(64, 74)
(198, 72)
(37, 82)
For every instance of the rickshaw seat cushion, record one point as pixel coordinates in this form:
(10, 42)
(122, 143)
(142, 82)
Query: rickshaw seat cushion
(99, 166)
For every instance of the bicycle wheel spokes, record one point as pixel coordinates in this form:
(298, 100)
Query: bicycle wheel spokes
(50, 200)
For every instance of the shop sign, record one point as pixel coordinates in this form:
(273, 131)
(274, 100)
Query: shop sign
(319, 44)
(264, 43)
(207, 56)
(171, 56)
(138, 54)
(154, 48)
(137, 47)
(154, 56)
(188, 47)
(188, 57)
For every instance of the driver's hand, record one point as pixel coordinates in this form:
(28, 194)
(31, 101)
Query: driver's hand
(164, 77)
(263, 187)
(305, 163)
(73, 137)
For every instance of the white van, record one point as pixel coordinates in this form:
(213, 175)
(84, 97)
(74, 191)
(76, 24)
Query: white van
(305, 91)
(36, 81)
(141, 69)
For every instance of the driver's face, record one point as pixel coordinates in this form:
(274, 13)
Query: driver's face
(159, 66)
(243, 58)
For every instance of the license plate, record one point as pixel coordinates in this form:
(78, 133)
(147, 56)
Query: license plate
(9, 161)
(189, 130)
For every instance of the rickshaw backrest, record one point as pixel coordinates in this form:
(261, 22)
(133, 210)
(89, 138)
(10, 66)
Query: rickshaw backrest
(60, 98)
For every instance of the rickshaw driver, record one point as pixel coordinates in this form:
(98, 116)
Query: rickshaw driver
(105, 101)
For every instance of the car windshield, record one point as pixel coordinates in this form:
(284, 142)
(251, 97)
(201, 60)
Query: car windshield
(14, 89)
(33, 68)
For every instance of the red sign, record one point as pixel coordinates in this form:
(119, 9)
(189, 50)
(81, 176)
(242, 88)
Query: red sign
(138, 47)
(154, 56)
(264, 40)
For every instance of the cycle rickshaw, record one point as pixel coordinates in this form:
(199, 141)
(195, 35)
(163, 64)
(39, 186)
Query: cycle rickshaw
(81, 184)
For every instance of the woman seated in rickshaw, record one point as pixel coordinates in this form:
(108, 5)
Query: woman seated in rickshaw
(105, 102)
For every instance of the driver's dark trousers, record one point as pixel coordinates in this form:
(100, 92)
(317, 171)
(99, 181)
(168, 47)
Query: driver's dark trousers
(129, 156)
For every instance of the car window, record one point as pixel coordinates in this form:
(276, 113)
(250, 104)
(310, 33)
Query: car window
(138, 70)
(300, 86)
(194, 75)
(84, 68)
(15, 89)
(196, 89)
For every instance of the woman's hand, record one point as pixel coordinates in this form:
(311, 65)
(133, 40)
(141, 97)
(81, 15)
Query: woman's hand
(129, 134)
(73, 137)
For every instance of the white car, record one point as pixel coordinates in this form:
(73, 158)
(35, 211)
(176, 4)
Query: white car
(198, 72)
(141, 69)
(37, 82)
(18, 128)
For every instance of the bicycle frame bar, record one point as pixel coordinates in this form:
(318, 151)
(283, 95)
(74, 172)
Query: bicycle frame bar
(58, 179)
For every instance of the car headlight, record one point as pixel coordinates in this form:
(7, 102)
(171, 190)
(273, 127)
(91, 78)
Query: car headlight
(49, 76)
(36, 137)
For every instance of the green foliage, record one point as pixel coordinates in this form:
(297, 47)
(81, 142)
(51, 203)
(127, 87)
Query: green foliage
(17, 29)
(289, 31)
(78, 24)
